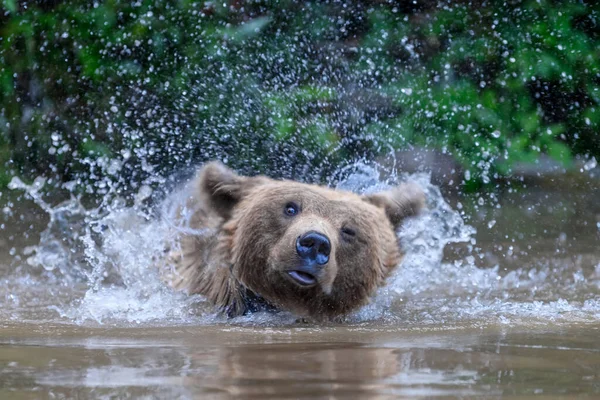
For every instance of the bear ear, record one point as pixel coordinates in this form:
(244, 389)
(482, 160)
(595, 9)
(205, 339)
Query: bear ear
(221, 187)
(400, 202)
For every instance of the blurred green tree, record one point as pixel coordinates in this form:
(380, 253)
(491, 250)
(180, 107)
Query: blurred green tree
(143, 88)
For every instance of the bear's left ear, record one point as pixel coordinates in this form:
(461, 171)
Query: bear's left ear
(400, 202)
(222, 188)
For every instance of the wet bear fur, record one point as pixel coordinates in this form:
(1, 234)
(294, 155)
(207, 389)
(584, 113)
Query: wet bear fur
(241, 250)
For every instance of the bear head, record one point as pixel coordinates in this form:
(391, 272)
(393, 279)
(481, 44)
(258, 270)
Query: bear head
(312, 250)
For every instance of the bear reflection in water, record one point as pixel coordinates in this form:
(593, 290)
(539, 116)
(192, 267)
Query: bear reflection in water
(254, 243)
(318, 361)
(305, 370)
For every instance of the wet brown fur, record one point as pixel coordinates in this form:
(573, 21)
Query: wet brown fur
(249, 242)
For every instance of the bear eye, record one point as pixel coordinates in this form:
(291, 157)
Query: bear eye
(348, 232)
(291, 209)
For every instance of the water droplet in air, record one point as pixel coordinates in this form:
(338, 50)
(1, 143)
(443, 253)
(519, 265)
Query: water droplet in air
(16, 183)
(591, 164)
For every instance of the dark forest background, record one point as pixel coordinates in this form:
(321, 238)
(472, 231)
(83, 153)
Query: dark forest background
(136, 88)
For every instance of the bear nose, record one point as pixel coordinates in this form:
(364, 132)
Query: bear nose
(314, 247)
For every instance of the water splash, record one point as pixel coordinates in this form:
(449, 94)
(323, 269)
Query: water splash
(111, 250)
(428, 289)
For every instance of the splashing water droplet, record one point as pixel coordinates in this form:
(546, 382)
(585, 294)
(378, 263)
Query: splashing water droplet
(591, 164)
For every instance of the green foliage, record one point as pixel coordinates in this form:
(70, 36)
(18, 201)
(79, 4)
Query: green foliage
(294, 87)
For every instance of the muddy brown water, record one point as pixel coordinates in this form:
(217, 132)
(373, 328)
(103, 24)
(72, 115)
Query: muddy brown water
(536, 341)
(300, 362)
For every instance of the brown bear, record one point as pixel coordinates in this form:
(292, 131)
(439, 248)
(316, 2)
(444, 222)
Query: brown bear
(256, 243)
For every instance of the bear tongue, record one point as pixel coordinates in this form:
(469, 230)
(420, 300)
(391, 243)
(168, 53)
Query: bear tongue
(303, 278)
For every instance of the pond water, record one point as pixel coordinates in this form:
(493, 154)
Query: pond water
(222, 361)
(498, 296)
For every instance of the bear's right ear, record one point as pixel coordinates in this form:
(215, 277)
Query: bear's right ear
(222, 188)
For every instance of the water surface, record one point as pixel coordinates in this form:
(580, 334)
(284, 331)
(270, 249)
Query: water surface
(507, 308)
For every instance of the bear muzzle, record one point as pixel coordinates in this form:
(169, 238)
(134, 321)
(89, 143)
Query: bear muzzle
(313, 249)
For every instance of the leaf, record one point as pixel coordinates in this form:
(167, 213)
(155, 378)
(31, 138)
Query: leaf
(6, 81)
(530, 122)
(284, 127)
(95, 149)
(560, 152)
(11, 5)
(248, 30)
(314, 93)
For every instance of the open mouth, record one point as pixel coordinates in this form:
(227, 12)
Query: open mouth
(302, 278)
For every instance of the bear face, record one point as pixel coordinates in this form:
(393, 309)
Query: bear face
(311, 250)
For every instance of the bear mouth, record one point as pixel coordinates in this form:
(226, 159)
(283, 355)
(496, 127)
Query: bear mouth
(302, 278)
